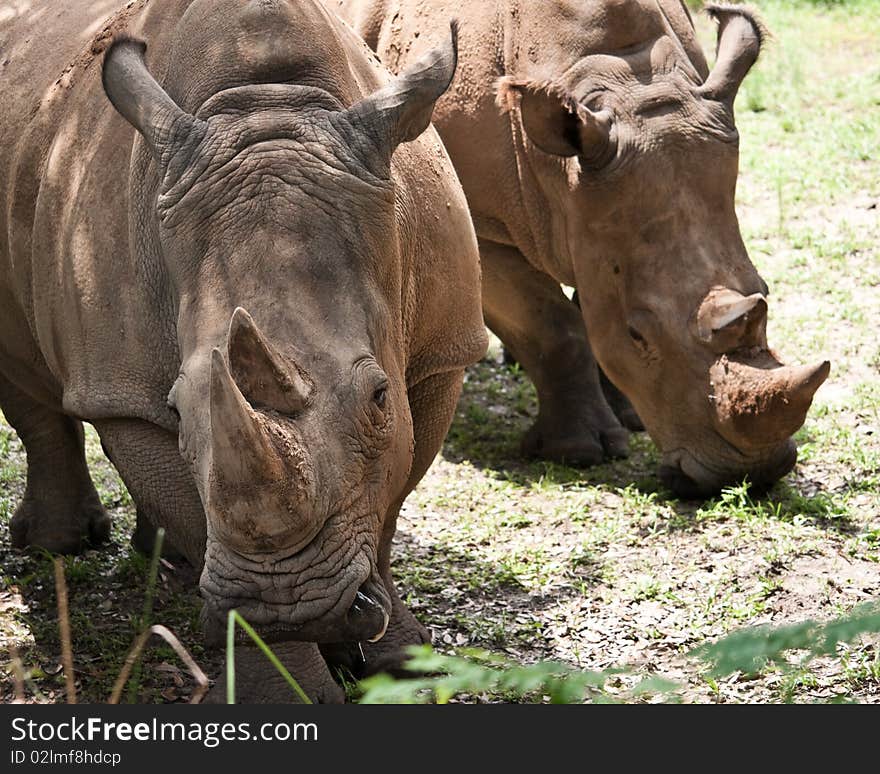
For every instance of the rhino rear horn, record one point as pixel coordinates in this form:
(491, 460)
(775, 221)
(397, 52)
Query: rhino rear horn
(728, 320)
(141, 101)
(266, 378)
(741, 34)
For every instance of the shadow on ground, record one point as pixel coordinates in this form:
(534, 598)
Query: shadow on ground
(468, 598)
(474, 602)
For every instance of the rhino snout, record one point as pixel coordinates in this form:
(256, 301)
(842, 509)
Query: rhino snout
(300, 597)
(691, 479)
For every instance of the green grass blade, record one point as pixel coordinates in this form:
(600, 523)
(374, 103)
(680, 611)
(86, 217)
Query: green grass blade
(147, 615)
(235, 618)
(230, 657)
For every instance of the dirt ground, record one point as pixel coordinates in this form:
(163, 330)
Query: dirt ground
(602, 567)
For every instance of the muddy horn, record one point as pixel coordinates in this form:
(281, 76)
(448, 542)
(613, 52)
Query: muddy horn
(265, 376)
(257, 459)
(758, 401)
(254, 376)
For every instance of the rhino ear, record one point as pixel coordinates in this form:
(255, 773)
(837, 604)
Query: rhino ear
(143, 102)
(554, 121)
(741, 34)
(402, 110)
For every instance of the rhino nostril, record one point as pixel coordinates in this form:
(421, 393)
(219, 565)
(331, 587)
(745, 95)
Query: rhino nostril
(368, 615)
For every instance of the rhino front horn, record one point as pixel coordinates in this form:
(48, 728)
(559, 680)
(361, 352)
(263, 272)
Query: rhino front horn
(241, 451)
(761, 404)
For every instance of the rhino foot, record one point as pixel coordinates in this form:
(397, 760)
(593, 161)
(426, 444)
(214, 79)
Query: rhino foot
(618, 402)
(627, 415)
(578, 446)
(57, 526)
(258, 682)
(143, 539)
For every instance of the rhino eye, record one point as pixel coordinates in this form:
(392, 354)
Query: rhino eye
(636, 336)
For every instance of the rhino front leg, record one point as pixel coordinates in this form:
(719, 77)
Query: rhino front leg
(545, 332)
(619, 403)
(432, 405)
(160, 484)
(60, 510)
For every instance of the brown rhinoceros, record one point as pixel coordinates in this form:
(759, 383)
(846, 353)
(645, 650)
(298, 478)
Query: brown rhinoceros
(597, 150)
(264, 300)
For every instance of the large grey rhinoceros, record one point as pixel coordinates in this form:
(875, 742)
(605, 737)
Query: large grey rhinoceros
(597, 150)
(264, 300)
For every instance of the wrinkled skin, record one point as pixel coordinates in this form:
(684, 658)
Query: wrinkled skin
(263, 296)
(597, 150)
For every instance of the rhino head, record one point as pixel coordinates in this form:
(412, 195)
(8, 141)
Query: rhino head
(638, 152)
(276, 222)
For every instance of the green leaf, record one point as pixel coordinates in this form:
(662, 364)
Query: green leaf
(750, 650)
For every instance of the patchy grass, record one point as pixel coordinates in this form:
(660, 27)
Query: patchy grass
(601, 568)
(106, 591)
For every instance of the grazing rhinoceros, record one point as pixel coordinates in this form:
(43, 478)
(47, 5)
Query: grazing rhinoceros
(597, 150)
(262, 299)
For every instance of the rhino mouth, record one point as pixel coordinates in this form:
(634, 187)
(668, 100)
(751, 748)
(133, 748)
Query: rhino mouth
(691, 479)
(329, 592)
(366, 621)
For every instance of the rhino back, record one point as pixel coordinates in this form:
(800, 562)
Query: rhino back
(514, 38)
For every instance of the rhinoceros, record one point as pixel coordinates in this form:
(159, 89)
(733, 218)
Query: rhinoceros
(263, 299)
(597, 150)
